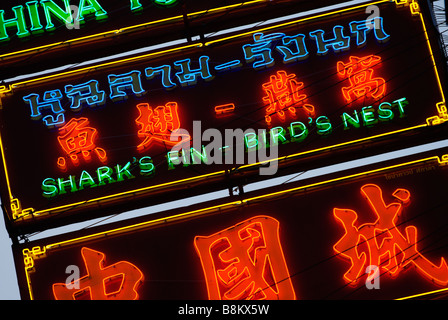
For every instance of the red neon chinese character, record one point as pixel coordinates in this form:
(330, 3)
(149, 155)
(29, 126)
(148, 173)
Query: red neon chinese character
(159, 124)
(381, 243)
(283, 96)
(119, 281)
(360, 75)
(78, 139)
(245, 262)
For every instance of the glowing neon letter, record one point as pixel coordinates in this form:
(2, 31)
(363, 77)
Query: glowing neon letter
(348, 119)
(77, 140)
(384, 111)
(188, 76)
(104, 175)
(71, 182)
(33, 12)
(277, 134)
(361, 28)
(49, 188)
(302, 129)
(51, 102)
(159, 124)
(165, 72)
(146, 166)
(87, 7)
(251, 140)
(284, 95)
(368, 116)
(99, 282)
(262, 50)
(197, 156)
(86, 179)
(401, 104)
(84, 93)
(323, 125)
(123, 172)
(338, 43)
(175, 158)
(359, 73)
(245, 262)
(299, 53)
(136, 5)
(394, 250)
(120, 84)
(50, 8)
(17, 22)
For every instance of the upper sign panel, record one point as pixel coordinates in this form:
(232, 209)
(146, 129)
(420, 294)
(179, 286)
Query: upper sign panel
(94, 138)
(35, 35)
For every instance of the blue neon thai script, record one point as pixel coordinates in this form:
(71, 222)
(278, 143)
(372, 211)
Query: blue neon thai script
(263, 51)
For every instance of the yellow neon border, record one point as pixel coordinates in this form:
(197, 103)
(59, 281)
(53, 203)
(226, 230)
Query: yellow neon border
(99, 66)
(40, 252)
(290, 23)
(20, 214)
(134, 28)
(423, 294)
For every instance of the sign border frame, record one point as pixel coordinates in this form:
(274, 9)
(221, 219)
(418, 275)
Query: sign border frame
(17, 213)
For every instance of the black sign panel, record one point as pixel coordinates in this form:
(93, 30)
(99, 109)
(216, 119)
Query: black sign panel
(39, 35)
(380, 234)
(82, 142)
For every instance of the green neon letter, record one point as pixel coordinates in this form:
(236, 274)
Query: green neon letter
(198, 157)
(86, 179)
(348, 119)
(93, 7)
(104, 175)
(17, 22)
(52, 9)
(174, 159)
(147, 168)
(384, 111)
(323, 125)
(123, 171)
(368, 116)
(298, 131)
(136, 5)
(49, 188)
(62, 184)
(34, 16)
(276, 135)
(401, 104)
(250, 140)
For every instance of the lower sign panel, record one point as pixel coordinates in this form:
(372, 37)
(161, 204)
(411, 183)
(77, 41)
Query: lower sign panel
(380, 234)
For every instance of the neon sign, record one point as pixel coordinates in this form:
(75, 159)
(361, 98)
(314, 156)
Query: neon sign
(297, 85)
(302, 248)
(387, 247)
(245, 262)
(119, 281)
(26, 21)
